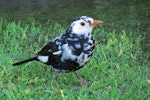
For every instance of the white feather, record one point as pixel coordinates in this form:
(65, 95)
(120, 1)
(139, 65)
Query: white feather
(43, 59)
(79, 29)
(57, 53)
(78, 45)
(67, 53)
(82, 59)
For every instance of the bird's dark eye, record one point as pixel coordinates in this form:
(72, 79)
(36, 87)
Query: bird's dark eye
(82, 23)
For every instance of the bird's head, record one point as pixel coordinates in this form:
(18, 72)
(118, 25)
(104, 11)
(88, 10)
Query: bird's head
(83, 25)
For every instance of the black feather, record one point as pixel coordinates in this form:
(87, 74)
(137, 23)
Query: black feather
(25, 61)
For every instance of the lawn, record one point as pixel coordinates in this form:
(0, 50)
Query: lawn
(118, 70)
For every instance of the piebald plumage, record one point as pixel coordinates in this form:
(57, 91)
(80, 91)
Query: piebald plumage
(71, 50)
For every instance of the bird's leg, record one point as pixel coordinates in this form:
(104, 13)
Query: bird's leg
(82, 82)
(56, 78)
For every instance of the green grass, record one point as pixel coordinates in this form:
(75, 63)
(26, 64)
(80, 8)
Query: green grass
(118, 70)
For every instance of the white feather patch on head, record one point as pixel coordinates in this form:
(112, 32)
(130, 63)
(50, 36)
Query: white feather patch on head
(79, 29)
(43, 59)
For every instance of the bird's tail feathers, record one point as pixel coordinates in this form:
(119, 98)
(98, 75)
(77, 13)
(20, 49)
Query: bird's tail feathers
(25, 61)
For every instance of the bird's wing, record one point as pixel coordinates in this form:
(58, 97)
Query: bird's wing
(53, 48)
(49, 49)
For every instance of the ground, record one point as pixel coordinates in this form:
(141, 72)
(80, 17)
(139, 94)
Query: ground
(118, 70)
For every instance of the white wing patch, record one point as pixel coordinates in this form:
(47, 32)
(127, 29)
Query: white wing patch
(43, 59)
(57, 53)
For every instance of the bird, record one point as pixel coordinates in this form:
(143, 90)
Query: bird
(71, 50)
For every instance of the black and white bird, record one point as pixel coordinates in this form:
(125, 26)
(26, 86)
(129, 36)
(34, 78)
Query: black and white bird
(69, 51)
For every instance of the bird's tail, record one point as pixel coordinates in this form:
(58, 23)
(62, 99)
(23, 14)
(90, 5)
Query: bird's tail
(25, 61)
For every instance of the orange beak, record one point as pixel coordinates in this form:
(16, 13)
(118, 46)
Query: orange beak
(96, 22)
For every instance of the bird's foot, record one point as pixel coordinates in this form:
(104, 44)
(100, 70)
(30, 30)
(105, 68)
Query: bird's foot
(56, 78)
(82, 82)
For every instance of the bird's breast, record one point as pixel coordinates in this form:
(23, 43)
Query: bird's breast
(78, 50)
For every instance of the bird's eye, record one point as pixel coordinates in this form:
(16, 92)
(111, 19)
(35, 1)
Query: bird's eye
(82, 23)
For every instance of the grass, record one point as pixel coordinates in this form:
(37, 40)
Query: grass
(118, 70)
